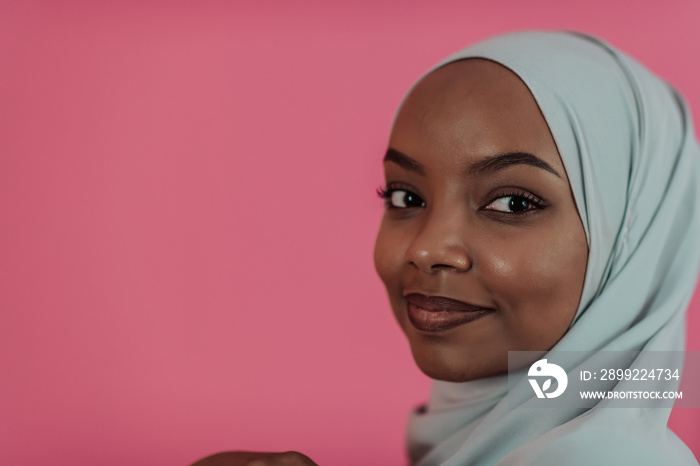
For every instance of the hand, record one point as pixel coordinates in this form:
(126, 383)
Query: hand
(251, 458)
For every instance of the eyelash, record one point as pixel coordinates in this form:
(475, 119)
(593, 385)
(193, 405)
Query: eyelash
(536, 203)
(387, 192)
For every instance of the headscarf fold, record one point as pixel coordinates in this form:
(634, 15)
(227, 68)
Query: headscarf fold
(627, 143)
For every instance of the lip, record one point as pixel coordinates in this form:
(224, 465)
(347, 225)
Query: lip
(438, 313)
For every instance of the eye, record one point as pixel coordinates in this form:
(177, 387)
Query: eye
(515, 203)
(396, 198)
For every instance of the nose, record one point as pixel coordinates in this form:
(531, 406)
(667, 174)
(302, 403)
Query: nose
(440, 244)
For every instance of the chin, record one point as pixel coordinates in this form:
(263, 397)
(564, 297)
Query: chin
(442, 367)
(446, 375)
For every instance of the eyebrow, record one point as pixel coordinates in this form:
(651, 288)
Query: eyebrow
(488, 165)
(403, 161)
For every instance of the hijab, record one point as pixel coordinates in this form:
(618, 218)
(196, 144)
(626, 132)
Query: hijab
(626, 141)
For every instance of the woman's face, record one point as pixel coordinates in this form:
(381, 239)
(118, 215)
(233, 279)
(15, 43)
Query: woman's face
(481, 248)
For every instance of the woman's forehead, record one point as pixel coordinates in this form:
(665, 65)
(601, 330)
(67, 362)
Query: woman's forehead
(476, 108)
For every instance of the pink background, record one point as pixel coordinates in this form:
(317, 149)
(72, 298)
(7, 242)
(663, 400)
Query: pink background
(187, 215)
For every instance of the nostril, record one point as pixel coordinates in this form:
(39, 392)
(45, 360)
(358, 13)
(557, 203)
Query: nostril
(442, 266)
(459, 262)
(434, 268)
(440, 257)
(453, 261)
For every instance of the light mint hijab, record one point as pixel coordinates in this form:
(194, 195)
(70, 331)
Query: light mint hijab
(626, 141)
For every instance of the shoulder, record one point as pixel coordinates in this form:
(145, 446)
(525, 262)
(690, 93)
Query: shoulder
(610, 446)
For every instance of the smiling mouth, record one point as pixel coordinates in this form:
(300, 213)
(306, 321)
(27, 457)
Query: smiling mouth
(437, 313)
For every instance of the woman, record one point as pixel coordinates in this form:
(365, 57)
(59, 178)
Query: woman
(542, 195)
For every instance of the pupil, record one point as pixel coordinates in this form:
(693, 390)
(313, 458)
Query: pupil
(518, 204)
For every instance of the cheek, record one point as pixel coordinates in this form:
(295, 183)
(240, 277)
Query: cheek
(539, 276)
(562, 266)
(387, 256)
(389, 253)
(502, 267)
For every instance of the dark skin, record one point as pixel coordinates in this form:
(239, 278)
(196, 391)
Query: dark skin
(479, 210)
